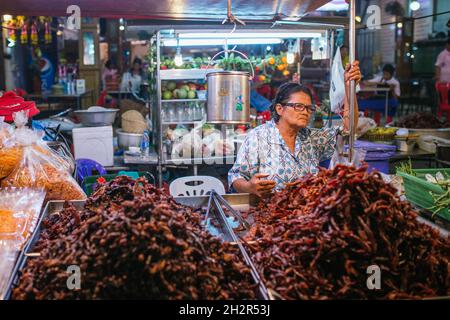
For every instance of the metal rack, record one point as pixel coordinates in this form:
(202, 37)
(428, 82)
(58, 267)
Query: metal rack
(199, 74)
(159, 123)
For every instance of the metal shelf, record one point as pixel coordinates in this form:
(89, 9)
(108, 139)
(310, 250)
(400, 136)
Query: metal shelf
(181, 122)
(185, 74)
(183, 100)
(199, 161)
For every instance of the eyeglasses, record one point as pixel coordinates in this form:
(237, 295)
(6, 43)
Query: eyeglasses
(301, 107)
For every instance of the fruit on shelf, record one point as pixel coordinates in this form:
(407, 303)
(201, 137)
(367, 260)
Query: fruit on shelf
(171, 85)
(191, 94)
(180, 93)
(167, 95)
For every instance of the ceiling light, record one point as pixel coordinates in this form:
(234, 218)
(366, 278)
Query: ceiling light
(249, 35)
(217, 42)
(7, 17)
(414, 6)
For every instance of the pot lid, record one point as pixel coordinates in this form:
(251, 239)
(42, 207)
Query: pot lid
(234, 73)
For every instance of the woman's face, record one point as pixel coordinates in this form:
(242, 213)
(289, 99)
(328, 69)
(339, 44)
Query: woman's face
(136, 67)
(293, 117)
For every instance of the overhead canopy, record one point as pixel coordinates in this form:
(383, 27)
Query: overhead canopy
(258, 10)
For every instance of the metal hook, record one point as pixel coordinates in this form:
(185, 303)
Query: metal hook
(231, 18)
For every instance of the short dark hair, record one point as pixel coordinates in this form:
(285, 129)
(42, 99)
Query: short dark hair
(389, 68)
(137, 60)
(284, 94)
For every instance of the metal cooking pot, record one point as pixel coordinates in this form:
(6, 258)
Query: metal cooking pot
(126, 140)
(97, 117)
(228, 99)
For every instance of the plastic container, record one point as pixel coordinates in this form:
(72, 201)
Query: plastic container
(377, 155)
(95, 143)
(417, 189)
(89, 184)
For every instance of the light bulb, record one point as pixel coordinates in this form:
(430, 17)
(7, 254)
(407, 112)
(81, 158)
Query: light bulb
(290, 57)
(121, 28)
(358, 19)
(178, 59)
(399, 25)
(7, 17)
(268, 48)
(414, 6)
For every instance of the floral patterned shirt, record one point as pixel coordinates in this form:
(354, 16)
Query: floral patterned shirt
(265, 151)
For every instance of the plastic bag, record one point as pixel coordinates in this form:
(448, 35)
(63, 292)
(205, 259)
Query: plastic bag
(12, 151)
(337, 85)
(339, 157)
(38, 169)
(8, 256)
(190, 146)
(5, 131)
(19, 213)
(208, 142)
(223, 148)
(364, 125)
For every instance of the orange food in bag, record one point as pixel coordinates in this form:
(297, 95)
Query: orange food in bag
(7, 222)
(39, 169)
(9, 159)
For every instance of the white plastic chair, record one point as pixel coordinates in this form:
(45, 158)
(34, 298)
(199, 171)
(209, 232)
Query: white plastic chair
(195, 186)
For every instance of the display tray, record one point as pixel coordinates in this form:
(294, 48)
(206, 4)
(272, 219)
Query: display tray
(240, 202)
(52, 207)
(237, 201)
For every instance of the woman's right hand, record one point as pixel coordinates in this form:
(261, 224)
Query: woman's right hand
(261, 187)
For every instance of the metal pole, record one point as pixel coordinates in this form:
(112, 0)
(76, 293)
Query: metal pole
(352, 47)
(386, 106)
(331, 47)
(299, 62)
(158, 98)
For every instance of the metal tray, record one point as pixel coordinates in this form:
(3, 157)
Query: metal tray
(238, 201)
(27, 252)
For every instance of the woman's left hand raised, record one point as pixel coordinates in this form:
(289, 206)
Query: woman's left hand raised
(352, 72)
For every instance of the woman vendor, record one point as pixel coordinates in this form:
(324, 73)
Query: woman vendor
(285, 149)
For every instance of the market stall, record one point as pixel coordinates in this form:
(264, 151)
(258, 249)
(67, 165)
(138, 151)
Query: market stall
(131, 236)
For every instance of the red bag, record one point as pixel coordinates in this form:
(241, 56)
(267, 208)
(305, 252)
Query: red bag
(10, 103)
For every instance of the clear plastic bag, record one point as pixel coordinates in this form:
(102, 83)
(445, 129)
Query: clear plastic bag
(364, 125)
(40, 167)
(19, 213)
(8, 256)
(21, 138)
(5, 131)
(337, 85)
(339, 156)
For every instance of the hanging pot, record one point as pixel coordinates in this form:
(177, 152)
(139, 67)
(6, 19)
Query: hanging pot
(228, 97)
